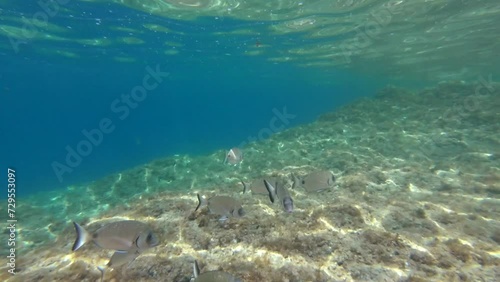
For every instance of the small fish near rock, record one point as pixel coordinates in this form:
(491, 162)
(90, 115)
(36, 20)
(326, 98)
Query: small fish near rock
(129, 238)
(317, 181)
(225, 206)
(212, 276)
(234, 156)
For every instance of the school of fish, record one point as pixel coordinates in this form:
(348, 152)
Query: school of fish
(130, 238)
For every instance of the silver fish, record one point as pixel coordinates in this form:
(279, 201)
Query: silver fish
(120, 258)
(279, 191)
(234, 156)
(224, 206)
(317, 181)
(257, 186)
(212, 276)
(128, 237)
(121, 236)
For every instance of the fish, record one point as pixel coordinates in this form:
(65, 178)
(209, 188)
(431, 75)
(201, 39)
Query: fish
(119, 258)
(129, 238)
(224, 206)
(234, 156)
(317, 181)
(120, 236)
(212, 276)
(257, 186)
(279, 191)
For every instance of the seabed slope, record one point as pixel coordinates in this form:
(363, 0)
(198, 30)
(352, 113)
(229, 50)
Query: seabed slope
(416, 199)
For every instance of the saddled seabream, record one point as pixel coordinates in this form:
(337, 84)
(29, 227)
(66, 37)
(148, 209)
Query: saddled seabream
(234, 156)
(212, 276)
(120, 258)
(129, 238)
(279, 191)
(224, 206)
(120, 235)
(317, 181)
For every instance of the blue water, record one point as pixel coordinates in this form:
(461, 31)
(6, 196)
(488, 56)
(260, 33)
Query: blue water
(210, 100)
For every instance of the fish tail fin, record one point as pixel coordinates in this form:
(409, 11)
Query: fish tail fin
(271, 190)
(295, 181)
(196, 269)
(288, 204)
(244, 186)
(332, 179)
(82, 236)
(201, 202)
(101, 269)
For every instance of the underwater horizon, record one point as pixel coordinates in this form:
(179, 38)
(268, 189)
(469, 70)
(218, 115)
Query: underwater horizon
(379, 118)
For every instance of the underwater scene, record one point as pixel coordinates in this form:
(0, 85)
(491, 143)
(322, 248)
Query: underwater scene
(269, 141)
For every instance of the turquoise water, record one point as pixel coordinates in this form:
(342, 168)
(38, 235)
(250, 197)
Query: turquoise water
(62, 78)
(126, 109)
